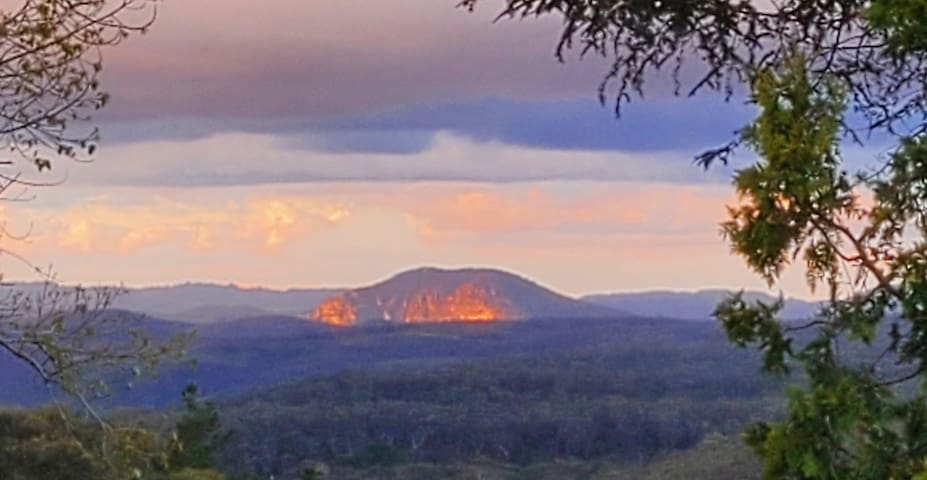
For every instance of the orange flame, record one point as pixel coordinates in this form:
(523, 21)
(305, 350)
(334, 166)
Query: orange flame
(336, 311)
(467, 303)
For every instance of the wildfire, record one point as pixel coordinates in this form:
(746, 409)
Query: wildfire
(466, 303)
(336, 311)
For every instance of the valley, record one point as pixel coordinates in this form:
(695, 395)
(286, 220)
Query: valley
(587, 387)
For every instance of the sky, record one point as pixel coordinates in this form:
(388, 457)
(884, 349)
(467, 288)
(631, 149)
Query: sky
(300, 143)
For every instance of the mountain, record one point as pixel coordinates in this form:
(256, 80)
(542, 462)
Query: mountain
(197, 303)
(428, 295)
(202, 303)
(416, 295)
(690, 305)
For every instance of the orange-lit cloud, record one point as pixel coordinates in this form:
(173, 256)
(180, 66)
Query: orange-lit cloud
(110, 228)
(437, 214)
(202, 239)
(277, 220)
(656, 208)
(579, 237)
(423, 228)
(141, 237)
(78, 236)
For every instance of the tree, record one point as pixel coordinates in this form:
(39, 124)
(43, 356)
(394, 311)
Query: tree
(861, 234)
(30, 448)
(850, 421)
(75, 345)
(43, 444)
(199, 434)
(872, 47)
(50, 65)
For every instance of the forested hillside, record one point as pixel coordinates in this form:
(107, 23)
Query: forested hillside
(237, 356)
(625, 404)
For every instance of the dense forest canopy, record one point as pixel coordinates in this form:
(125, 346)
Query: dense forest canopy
(619, 398)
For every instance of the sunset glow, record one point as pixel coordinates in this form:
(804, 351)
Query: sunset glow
(351, 164)
(493, 239)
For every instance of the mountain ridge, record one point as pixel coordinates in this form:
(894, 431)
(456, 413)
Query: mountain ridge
(202, 303)
(692, 305)
(431, 294)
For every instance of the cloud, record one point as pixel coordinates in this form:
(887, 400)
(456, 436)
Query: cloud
(273, 219)
(291, 58)
(498, 215)
(575, 124)
(384, 77)
(575, 236)
(259, 224)
(255, 159)
(79, 236)
(334, 91)
(277, 220)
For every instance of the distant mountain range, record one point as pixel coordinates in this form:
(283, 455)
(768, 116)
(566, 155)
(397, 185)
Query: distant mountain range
(420, 295)
(691, 305)
(202, 303)
(253, 337)
(427, 295)
(208, 303)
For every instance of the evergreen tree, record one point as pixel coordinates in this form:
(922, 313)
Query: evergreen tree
(199, 434)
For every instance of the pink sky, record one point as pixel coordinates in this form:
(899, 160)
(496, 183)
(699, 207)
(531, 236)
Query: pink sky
(255, 194)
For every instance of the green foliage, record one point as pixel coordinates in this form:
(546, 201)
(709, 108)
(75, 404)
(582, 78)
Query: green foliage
(51, 443)
(310, 474)
(807, 61)
(195, 474)
(746, 324)
(32, 447)
(198, 433)
(45, 444)
(795, 184)
(903, 22)
(716, 458)
(851, 420)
